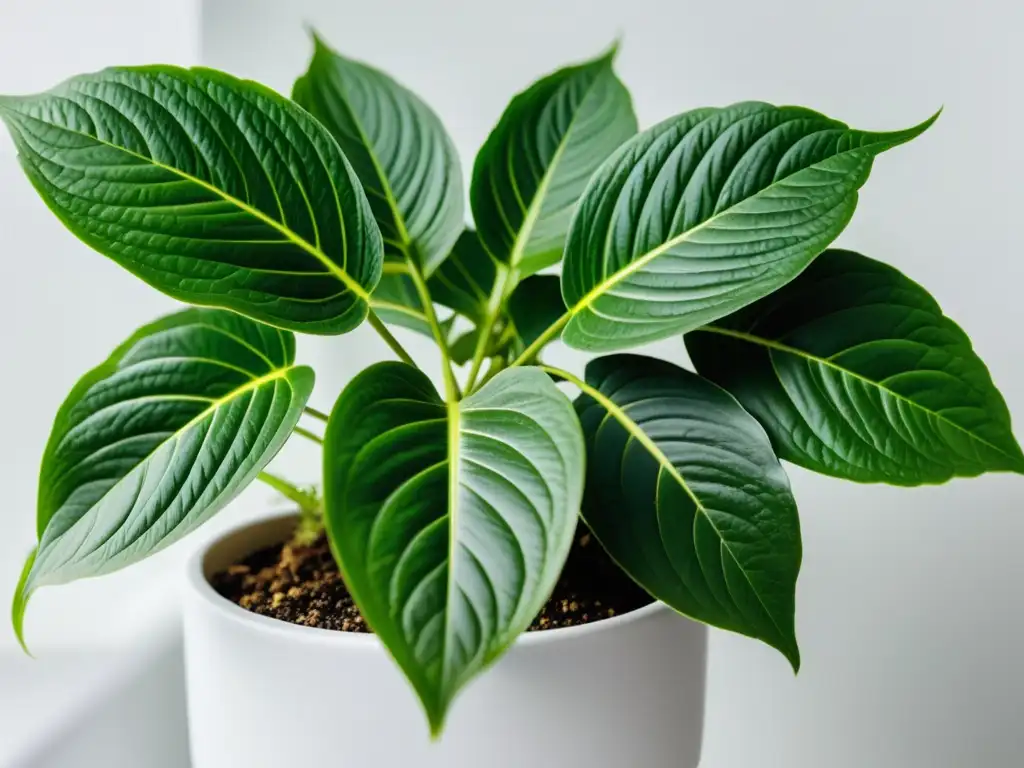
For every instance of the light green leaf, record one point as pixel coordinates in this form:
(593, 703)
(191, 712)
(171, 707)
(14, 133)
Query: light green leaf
(159, 438)
(855, 372)
(707, 212)
(396, 301)
(537, 160)
(399, 149)
(216, 191)
(451, 522)
(535, 304)
(686, 495)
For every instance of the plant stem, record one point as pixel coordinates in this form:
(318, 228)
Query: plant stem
(305, 500)
(311, 411)
(309, 435)
(531, 351)
(451, 385)
(501, 281)
(391, 341)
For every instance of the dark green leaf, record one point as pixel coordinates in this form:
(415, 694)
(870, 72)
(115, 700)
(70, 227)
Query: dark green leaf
(465, 279)
(707, 212)
(535, 304)
(213, 190)
(855, 372)
(397, 146)
(451, 523)
(396, 301)
(464, 346)
(160, 437)
(537, 160)
(685, 493)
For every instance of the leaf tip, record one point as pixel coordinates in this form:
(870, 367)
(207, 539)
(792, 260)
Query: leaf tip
(21, 596)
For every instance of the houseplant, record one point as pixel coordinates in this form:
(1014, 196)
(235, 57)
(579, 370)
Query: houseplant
(451, 514)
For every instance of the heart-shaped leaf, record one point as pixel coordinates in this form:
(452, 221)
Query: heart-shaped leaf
(685, 493)
(398, 148)
(451, 522)
(855, 372)
(158, 438)
(216, 191)
(537, 160)
(535, 304)
(707, 212)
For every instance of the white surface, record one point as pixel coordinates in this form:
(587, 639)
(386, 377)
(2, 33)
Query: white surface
(908, 603)
(624, 692)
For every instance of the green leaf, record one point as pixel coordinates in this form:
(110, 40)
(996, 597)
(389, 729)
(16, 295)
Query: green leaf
(537, 160)
(685, 493)
(855, 372)
(535, 304)
(396, 301)
(451, 522)
(398, 148)
(707, 212)
(465, 279)
(20, 602)
(464, 346)
(216, 191)
(159, 438)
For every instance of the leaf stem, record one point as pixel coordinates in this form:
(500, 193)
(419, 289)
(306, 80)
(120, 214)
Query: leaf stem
(306, 500)
(311, 411)
(390, 340)
(531, 351)
(309, 435)
(451, 385)
(501, 281)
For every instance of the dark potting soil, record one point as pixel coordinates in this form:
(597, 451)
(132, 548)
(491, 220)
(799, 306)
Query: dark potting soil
(302, 585)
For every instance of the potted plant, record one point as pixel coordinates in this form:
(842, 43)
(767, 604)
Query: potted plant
(601, 509)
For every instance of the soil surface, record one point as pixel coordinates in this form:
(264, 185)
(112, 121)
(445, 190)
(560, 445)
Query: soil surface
(302, 585)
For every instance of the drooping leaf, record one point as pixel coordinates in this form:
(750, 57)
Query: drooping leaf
(464, 346)
(451, 522)
(534, 165)
(216, 191)
(157, 439)
(707, 212)
(855, 372)
(398, 148)
(465, 279)
(535, 304)
(685, 493)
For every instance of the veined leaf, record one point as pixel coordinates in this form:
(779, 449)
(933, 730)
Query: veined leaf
(465, 279)
(451, 522)
(399, 149)
(535, 304)
(216, 191)
(855, 372)
(685, 493)
(396, 302)
(707, 212)
(158, 438)
(537, 160)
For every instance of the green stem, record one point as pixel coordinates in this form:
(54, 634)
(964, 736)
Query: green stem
(309, 435)
(549, 333)
(311, 411)
(305, 500)
(501, 281)
(391, 341)
(451, 385)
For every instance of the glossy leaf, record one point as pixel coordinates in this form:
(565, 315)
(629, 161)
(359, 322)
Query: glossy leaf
(465, 279)
(685, 493)
(451, 523)
(535, 304)
(396, 302)
(534, 165)
(707, 212)
(214, 190)
(398, 148)
(855, 372)
(160, 437)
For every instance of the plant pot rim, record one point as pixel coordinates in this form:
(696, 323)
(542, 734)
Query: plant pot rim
(200, 586)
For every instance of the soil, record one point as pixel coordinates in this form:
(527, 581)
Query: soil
(302, 585)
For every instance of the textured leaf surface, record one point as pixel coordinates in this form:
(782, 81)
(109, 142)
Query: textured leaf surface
(451, 522)
(685, 493)
(855, 372)
(398, 148)
(465, 279)
(535, 304)
(160, 437)
(396, 302)
(535, 164)
(707, 212)
(214, 190)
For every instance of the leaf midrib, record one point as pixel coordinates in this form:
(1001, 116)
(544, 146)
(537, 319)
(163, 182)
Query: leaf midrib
(827, 363)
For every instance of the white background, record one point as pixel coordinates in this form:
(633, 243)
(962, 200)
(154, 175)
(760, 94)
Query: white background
(909, 604)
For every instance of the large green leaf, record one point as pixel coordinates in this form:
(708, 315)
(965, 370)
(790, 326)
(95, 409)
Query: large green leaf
(685, 493)
(214, 190)
(451, 522)
(855, 372)
(158, 438)
(535, 304)
(397, 146)
(707, 212)
(537, 160)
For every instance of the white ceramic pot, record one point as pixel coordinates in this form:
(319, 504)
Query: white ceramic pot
(627, 691)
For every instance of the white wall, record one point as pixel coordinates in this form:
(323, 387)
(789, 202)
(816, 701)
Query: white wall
(909, 603)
